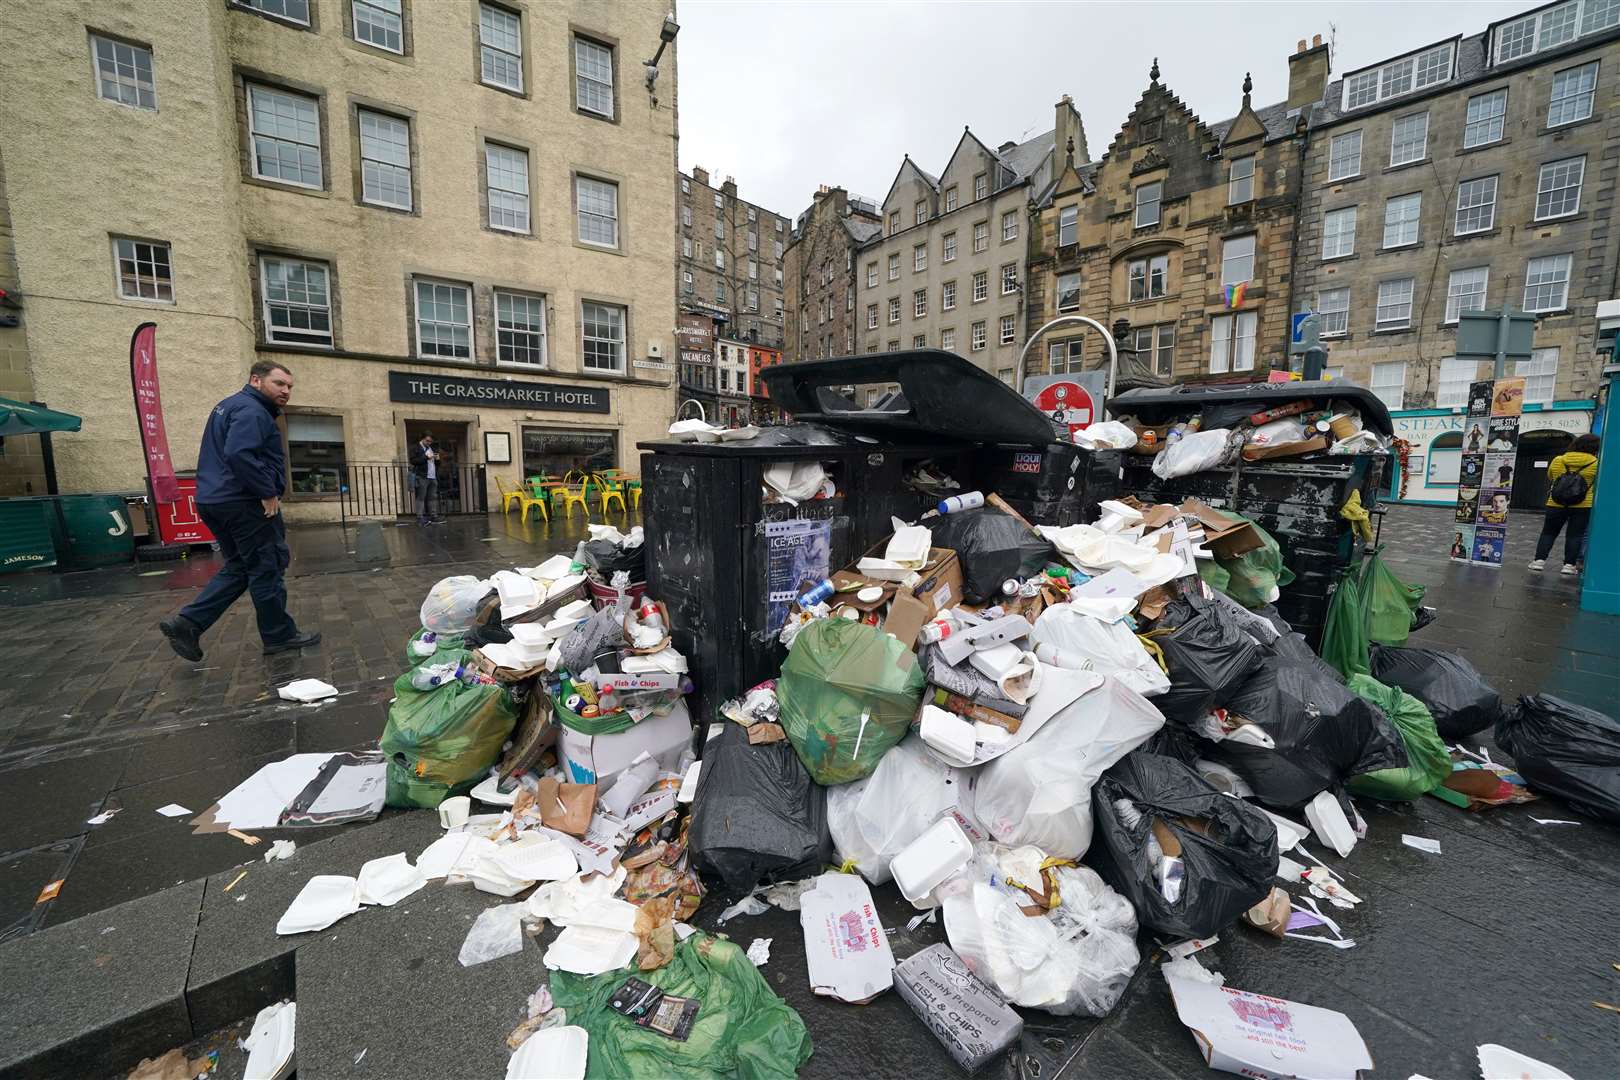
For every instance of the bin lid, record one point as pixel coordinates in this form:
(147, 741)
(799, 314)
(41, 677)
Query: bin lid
(1155, 406)
(777, 440)
(21, 418)
(940, 394)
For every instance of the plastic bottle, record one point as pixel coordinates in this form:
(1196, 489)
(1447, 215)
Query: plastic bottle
(970, 500)
(607, 701)
(432, 676)
(426, 645)
(651, 618)
(818, 595)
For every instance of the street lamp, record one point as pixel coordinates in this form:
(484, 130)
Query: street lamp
(666, 35)
(1070, 320)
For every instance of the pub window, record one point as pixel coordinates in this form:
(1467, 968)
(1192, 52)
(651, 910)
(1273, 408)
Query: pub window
(315, 453)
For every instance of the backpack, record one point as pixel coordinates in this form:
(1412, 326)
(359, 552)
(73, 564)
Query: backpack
(1569, 489)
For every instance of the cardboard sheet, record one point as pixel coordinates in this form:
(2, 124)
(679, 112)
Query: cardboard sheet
(1268, 1038)
(846, 951)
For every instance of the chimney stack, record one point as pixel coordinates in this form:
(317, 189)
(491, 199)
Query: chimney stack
(700, 175)
(1068, 126)
(1308, 71)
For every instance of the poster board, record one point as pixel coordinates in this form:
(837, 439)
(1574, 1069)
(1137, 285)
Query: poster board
(1490, 446)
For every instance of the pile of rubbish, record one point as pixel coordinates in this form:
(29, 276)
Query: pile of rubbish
(1221, 433)
(1058, 741)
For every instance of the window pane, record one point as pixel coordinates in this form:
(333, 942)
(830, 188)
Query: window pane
(1558, 188)
(1344, 155)
(315, 453)
(294, 10)
(593, 69)
(603, 336)
(378, 22)
(1466, 291)
(1334, 307)
(1455, 377)
(1068, 292)
(385, 160)
(297, 305)
(1409, 139)
(1401, 220)
(1237, 260)
(500, 37)
(1476, 205)
(508, 174)
(1147, 204)
(443, 320)
(1240, 181)
(520, 329)
(1388, 382)
(1394, 304)
(599, 213)
(1068, 225)
(1486, 114)
(1339, 233)
(124, 73)
(1540, 374)
(143, 270)
(1572, 93)
(1546, 283)
(286, 134)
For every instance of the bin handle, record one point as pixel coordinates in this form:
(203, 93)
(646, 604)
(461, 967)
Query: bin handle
(1068, 320)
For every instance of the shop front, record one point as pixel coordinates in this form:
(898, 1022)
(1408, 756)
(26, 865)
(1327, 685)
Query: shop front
(1432, 467)
(353, 424)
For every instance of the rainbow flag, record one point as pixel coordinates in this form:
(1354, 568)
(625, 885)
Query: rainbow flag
(1234, 294)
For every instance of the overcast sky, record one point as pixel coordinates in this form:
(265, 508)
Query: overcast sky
(785, 96)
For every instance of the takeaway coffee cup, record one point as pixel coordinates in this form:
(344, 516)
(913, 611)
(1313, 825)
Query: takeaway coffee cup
(453, 812)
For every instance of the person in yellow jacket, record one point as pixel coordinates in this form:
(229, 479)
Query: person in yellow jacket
(1571, 478)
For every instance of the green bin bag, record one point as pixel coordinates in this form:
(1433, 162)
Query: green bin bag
(1214, 574)
(1257, 574)
(441, 742)
(447, 642)
(1344, 632)
(838, 672)
(742, 1028)
(1428, 760)
(1391, 602)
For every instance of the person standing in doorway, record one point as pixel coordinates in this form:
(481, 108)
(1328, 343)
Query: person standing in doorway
(241, 473)
(425, 470)
(1571, 476)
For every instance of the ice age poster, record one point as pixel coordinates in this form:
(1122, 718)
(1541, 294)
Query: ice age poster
(798, 556)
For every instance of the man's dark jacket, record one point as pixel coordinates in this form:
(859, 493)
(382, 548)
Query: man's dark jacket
(419, 460)
(241, 456)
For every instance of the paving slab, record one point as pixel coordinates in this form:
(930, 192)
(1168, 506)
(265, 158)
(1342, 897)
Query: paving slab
(390, 985)
(23, 876)
(43, 803)
(94, 996)
(239, 964)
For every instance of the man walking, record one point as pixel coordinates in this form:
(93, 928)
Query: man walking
(241, 472)
(425, 473)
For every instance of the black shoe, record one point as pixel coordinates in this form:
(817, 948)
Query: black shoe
(297, 641)
(182, 634)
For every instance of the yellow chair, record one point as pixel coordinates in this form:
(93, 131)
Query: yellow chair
(538, 503)
(571, 495)
(610, 489)
(509, 496)
(635, 495)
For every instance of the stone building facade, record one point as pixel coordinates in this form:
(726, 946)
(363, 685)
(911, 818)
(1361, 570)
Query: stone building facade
(1180, 236)
(821, 274)
(453, 217)
(731, 259)
(950, 267)
(1471, 173)
(22, 469)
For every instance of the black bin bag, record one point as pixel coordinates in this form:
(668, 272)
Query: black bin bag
(607, 558)
(757, 816)
(1455, 693)
(1229, 862)
(992, 547)
(1324, 734)
(1566, 750)
(1207, 656)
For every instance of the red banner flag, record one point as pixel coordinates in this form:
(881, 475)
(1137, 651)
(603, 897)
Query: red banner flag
(143, 377)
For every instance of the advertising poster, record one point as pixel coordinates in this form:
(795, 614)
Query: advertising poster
(1490, 449)
(798, 557)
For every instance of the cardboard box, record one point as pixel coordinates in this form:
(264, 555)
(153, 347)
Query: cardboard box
(1222, 535)
(1268, 1038)
(600, 759)
(846, 951)
(938, 587)
(969, 1018)
(1290, 449)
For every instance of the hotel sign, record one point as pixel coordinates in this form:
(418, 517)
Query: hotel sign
(495, 393)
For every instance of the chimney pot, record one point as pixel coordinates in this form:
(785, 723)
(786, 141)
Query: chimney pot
(1315, 41)
(1301, 46)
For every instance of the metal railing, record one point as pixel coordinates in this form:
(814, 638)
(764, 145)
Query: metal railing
(385, 489)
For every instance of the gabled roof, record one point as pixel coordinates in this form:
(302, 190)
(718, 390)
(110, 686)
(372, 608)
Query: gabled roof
(1275, 118)
(968, 136)
(1155, 91)
(931, 181)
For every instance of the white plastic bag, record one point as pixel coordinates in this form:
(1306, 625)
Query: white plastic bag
(1108, 648)
(452, 604)
(1288, 429)
(1107, 435)
(1040, 793)
(495, 933)
(1192, 453)
(1077, 959)
(874, 819)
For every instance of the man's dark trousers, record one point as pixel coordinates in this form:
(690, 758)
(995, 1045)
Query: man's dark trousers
(256, 557)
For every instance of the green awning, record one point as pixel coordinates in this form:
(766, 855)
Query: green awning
(20, 418)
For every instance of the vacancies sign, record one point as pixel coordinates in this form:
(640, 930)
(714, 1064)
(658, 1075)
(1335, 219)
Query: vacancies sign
(496, 393)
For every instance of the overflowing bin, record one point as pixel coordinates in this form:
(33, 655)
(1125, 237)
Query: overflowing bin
(729, 553)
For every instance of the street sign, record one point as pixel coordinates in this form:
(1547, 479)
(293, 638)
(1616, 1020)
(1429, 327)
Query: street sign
(1306, 328)
(1065, 401)
(1480, 335)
